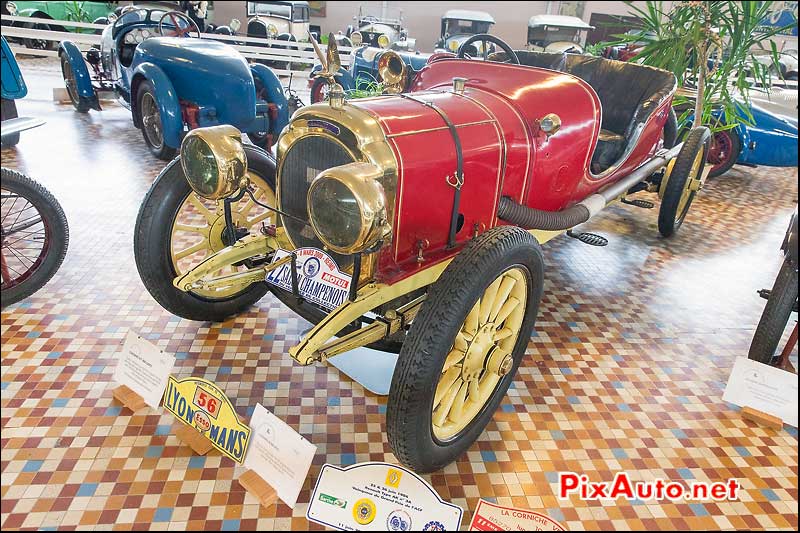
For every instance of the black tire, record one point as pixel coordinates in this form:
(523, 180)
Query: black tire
(782, 301)
(419, 366)
(316, 89)
(734, 150)
(9, 111)
(157, 147)
(671, 129)
(152, 238)
(669, 219)
(56, 234)
(81, 105)
(39, 44)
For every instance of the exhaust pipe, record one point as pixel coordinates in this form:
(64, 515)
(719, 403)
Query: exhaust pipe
(530, 218)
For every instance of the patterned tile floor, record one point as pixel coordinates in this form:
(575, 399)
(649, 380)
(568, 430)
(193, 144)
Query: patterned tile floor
(625, 372)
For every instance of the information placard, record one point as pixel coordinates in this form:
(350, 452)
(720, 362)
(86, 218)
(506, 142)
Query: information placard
(764, 388)
(491, 517)
(200, 404)
(144, 368)
(379, 497)
(279, 454)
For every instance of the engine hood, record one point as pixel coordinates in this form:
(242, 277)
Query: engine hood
(208, 73)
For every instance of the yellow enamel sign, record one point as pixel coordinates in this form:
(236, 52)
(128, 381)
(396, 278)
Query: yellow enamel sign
(202, 405)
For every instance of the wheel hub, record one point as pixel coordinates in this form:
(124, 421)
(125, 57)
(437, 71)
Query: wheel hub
(475, 357)
(216, 230)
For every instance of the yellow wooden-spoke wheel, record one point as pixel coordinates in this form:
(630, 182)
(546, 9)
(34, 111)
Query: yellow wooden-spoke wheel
(463, 348)
(684, 179)
(197, 230)
(480, 355)
(176, 230)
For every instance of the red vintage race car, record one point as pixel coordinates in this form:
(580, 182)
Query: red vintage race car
(413, 222)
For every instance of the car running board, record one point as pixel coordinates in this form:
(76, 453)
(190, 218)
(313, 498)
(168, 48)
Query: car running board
(592, 239)
(644, 204)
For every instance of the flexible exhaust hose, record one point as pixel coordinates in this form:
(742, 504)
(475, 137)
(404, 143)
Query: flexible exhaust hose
(530, 218)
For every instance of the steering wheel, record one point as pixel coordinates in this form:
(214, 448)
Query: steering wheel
(486, 38)
(179, 31)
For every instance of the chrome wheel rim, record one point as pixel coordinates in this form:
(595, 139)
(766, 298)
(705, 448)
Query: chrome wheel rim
(481, 354)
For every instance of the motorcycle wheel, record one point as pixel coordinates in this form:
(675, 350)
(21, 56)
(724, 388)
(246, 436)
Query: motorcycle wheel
(34, 238)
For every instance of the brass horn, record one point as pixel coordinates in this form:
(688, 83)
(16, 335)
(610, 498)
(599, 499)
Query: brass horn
(392, 71)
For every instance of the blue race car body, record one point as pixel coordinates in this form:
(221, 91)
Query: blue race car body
(13, 84)
(191, 82)
(364, 71)
(771, 140)
(13, 89)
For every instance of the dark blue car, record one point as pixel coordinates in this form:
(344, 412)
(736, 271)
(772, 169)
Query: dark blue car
(174, 81)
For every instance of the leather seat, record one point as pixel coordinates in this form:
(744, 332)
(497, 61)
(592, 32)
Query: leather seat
(629, 93)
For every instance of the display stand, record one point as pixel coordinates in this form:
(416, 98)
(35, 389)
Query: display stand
(128, 398)
(762, 418)
(188, 435)
(255, 485)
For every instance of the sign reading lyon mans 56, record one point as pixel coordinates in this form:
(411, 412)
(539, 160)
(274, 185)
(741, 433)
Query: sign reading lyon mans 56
(202, 405)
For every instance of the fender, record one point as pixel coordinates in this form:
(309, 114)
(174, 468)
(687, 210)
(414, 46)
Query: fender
(167, 98)
(83, 81)
(343, 77)
(274, 96)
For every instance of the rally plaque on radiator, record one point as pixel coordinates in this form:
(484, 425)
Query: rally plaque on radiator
(319, 279)
(200, 404)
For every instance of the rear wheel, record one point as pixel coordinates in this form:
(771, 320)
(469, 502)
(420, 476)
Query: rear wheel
(9, 111)
(34, 236)
(463, 348)
(152, 124)
(782, 301)
(683, 181)
(723, 152)
(39, 44)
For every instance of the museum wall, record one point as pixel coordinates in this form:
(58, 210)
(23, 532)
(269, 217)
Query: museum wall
(423, 18)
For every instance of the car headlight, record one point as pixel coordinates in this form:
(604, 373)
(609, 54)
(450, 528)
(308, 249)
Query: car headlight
(12, 9)
(347, 207)
(383, 40)
(272, 30)
(356, 38)
(453, 46)
(214, 162)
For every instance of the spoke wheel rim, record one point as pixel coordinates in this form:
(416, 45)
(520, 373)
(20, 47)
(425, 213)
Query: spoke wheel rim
(69, 81)
(688, 193)
(481, 354)
(721, 150)
(16, 264)
(198, 225)
(151, 121)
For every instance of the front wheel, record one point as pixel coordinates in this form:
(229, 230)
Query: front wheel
(81, 105)
(176, 229)
(782, 301)
(683, 181)
(319, 90)
(464, 347)
(34, 236)
(152, 124)
(39, 44)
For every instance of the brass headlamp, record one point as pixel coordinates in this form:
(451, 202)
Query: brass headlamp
(214, 162)
(347, 207)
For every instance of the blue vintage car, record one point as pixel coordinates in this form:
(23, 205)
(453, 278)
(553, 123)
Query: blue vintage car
(770, 141)
(174, 81)
(371, 65)
(13, 88)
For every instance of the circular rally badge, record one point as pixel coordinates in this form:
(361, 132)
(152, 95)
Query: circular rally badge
(364, 511)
